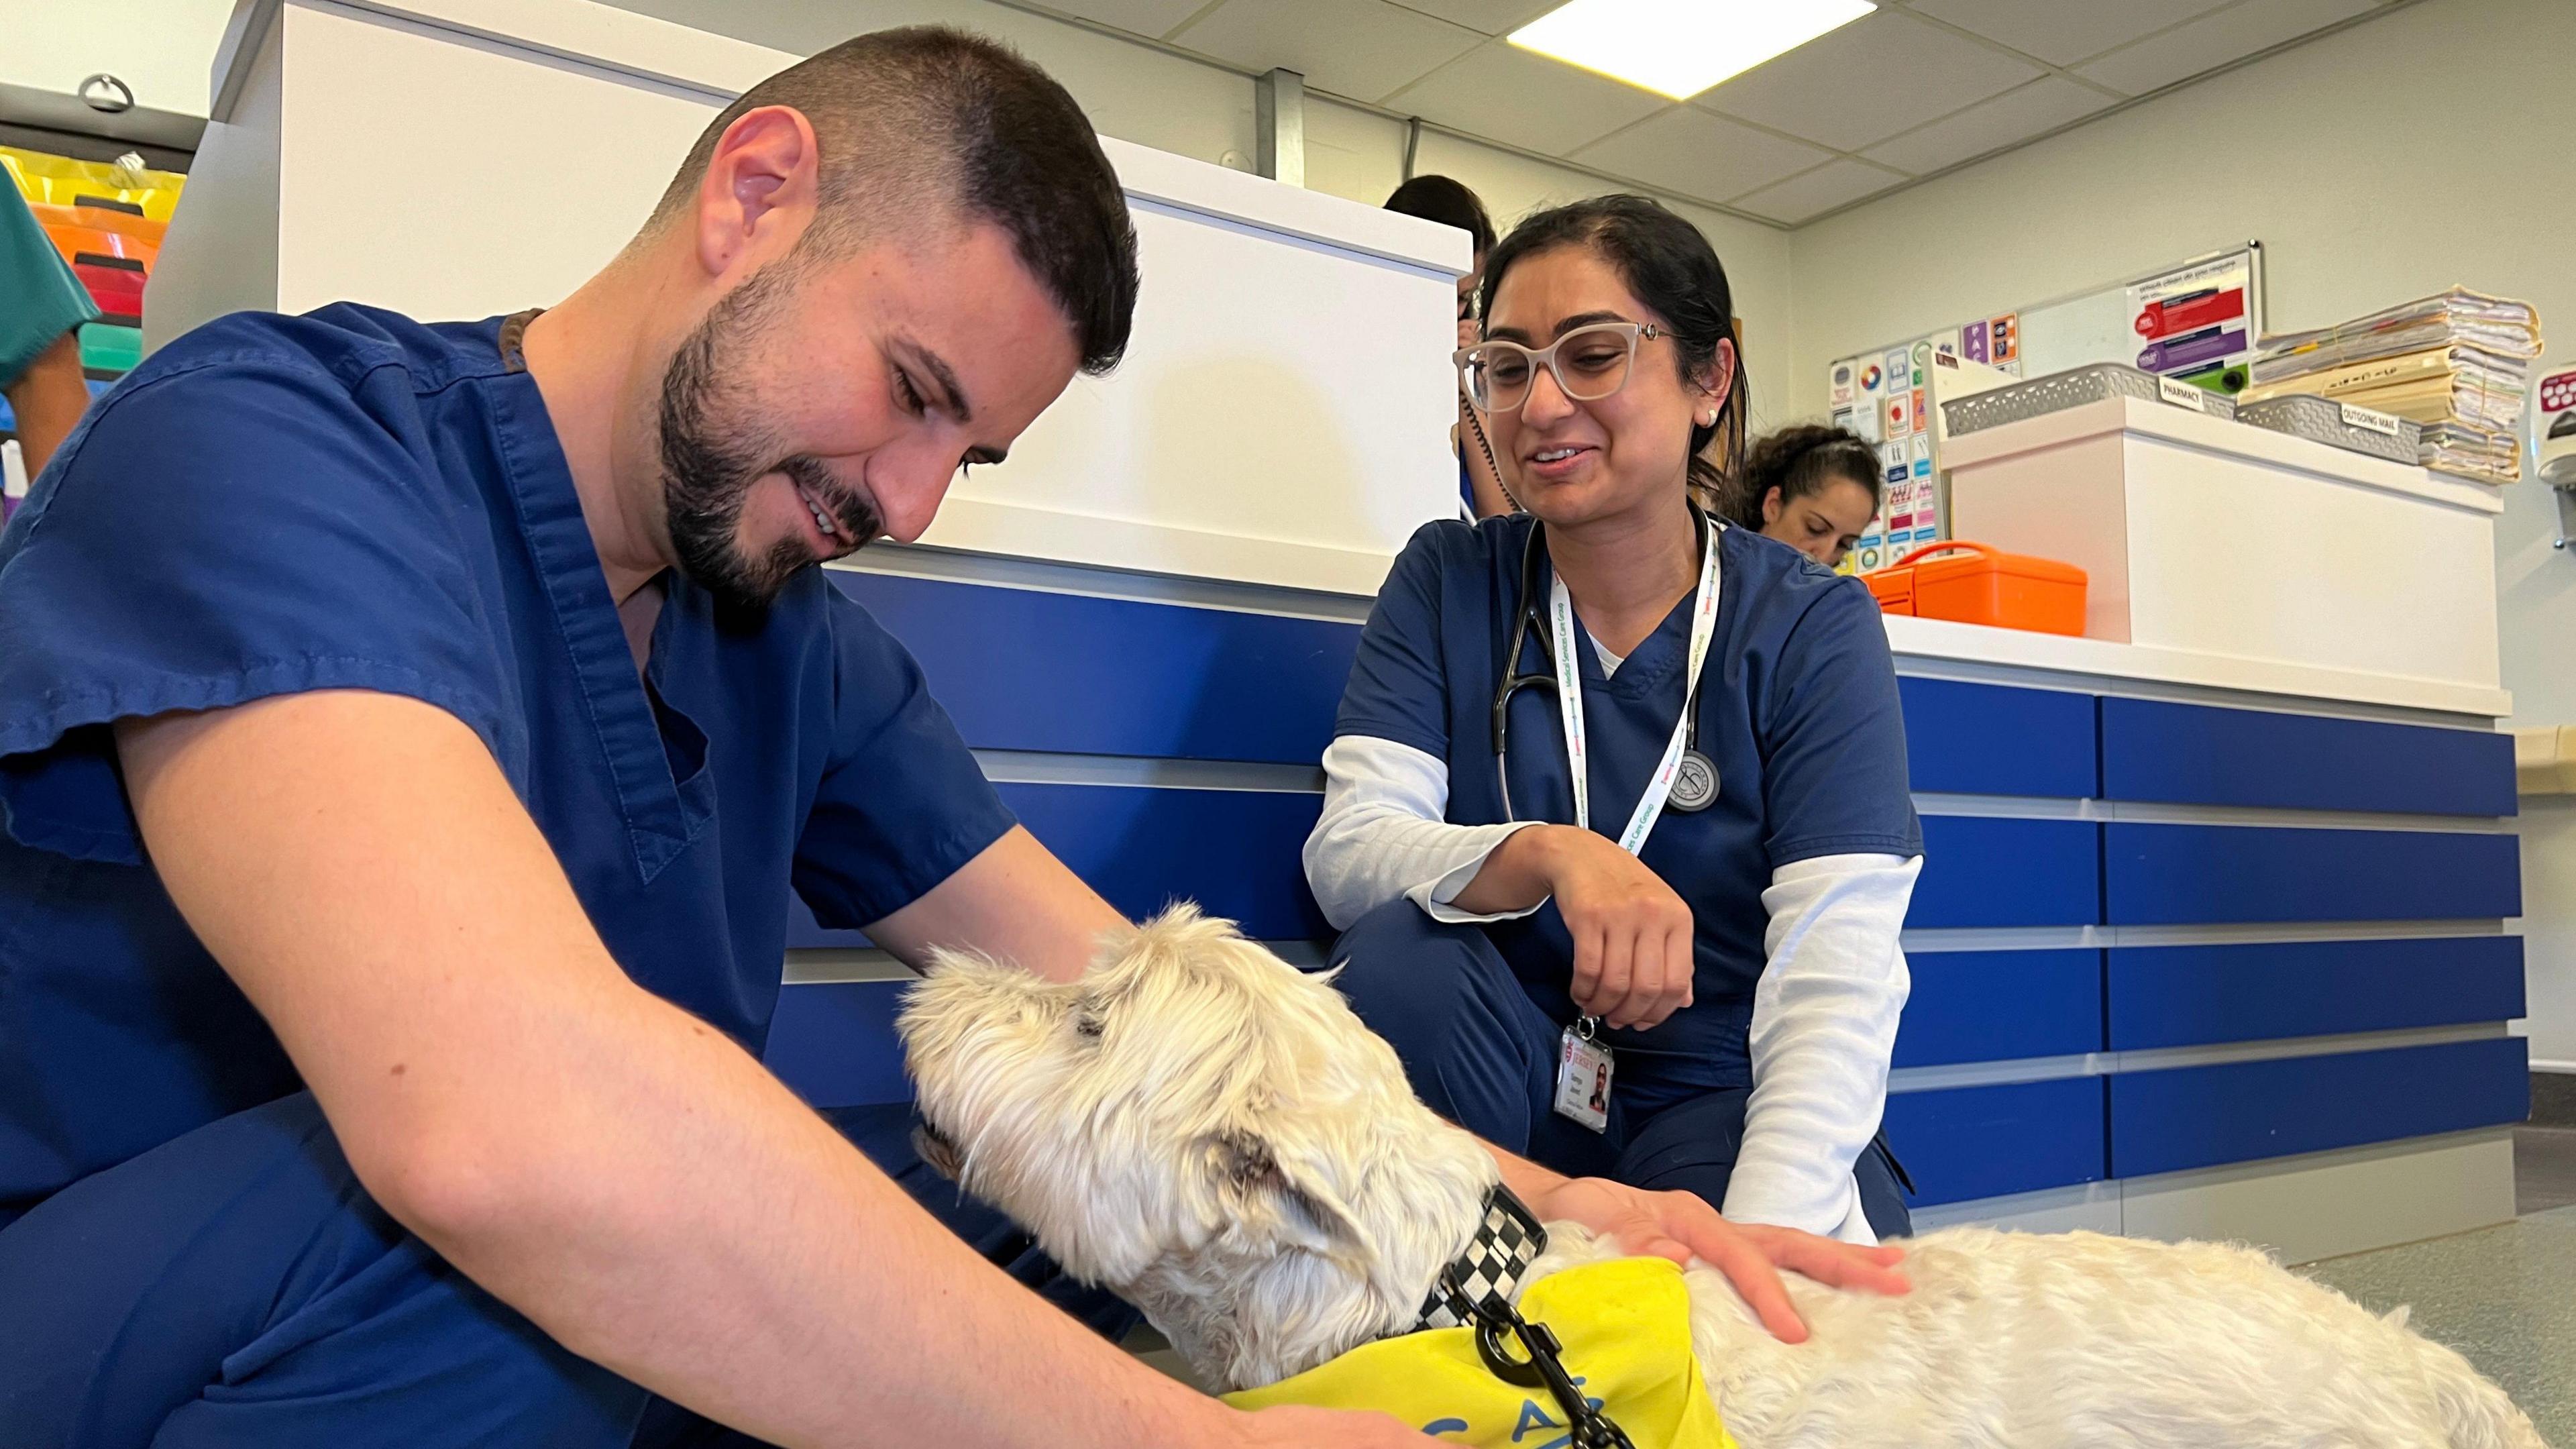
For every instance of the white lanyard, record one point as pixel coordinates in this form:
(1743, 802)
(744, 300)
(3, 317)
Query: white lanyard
(1569, 701)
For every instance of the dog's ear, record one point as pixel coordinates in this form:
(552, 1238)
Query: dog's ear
(1309, 1215)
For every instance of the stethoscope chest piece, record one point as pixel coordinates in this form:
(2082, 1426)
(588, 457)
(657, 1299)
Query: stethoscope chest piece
(1694, 783)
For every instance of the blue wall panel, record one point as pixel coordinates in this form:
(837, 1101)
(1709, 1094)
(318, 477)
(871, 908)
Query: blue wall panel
(1971, 1142)
(1982, 1006)
(2200, 754)
(1991, 872)
(1235, 852)
(1987, 739)
(834, 1044)
(2168, 996)
(1021, 669)
(2202, 1116)
(2186, 874)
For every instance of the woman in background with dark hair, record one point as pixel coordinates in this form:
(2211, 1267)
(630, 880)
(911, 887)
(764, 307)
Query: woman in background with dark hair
(1438, 198)
(1814, 488)
(1616, 784)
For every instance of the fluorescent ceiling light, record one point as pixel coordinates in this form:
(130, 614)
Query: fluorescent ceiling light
(1679, 48)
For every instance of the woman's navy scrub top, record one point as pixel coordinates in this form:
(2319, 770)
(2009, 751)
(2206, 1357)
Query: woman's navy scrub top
(352, 500)
(1797, 709)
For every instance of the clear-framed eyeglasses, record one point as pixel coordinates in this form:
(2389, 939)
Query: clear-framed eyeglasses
(1588, 363)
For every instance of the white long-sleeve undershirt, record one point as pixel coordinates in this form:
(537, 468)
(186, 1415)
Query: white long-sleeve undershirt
(1824, 1011)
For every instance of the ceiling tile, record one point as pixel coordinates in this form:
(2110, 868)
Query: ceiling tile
(2161, 60)
(1137, 17)
(1524, 99)
(2015, 116)
(2063, 32)
(1357, 48)
(1690, 151)
(1491, 17)
(1868, 81)
(1822, 189)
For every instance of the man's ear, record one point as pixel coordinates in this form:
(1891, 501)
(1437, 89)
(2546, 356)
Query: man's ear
(1262, 1192)
(759, 191)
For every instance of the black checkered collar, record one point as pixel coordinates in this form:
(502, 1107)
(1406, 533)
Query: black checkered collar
(1508, 1239)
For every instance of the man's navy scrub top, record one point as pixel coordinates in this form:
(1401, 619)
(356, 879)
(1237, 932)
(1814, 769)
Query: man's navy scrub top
(352, 500)
(1797, 709)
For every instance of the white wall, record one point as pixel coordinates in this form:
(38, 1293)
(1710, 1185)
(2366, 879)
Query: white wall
(2384, 162)
(1138, 93)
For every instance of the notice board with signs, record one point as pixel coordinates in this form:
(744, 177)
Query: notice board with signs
(2197, 321)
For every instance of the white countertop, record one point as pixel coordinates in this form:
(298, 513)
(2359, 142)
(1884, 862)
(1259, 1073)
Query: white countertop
(2106, 660)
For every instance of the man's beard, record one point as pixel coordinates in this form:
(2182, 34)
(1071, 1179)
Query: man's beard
(708, 469)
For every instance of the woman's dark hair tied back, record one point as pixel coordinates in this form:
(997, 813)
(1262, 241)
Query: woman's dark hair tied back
(1676, 273)
(1800, 462)
(1447, 201)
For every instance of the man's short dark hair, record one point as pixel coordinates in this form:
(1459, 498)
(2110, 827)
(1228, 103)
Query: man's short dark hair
(1440, 199)
(927, 116)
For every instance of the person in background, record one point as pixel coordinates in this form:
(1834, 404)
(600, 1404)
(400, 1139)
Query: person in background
(1814, 488)
(1481, 493)
(42, 306)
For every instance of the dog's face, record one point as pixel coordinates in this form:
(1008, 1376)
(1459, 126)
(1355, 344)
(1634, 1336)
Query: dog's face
(1205, 1130)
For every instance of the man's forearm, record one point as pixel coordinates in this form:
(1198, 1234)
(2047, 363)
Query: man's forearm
(637, 1242)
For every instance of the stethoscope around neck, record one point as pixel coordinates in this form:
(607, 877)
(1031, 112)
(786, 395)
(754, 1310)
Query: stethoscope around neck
(1694, 788)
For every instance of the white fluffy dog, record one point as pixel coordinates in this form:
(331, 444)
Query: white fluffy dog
(1216, 1137)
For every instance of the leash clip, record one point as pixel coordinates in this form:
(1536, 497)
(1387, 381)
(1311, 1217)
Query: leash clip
(1496, 1321)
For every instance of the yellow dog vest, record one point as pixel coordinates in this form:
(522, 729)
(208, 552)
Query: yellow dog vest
(1625, 1325)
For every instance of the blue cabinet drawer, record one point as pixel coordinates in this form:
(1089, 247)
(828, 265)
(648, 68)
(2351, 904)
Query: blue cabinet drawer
(1981, 871)
(2204, 755)
(2171, 996)
(1990, 739)
(2185, 874)
(1970, 1142)
(1984, 1006)
(1238, 853)
(2239, 1111)
(1022, 669)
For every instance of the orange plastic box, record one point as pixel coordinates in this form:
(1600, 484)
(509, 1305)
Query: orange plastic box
(2006, 590)
(1893, 588)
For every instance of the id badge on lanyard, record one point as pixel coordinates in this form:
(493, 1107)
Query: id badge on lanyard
(1583, 1063)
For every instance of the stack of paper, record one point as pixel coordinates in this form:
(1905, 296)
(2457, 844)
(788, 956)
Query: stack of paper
(2458, 362)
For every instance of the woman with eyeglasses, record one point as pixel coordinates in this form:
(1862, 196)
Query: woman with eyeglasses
(1616, 784)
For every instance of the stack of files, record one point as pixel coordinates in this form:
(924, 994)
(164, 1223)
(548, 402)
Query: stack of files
(2458, 362)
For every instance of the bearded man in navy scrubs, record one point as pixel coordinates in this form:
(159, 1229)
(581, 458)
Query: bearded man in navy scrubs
(409, 735)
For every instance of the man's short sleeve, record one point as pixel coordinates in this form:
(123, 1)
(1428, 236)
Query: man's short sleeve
(1834, 774)
(1398, 690)
(902, 803)
(40, 299)
(211, 535)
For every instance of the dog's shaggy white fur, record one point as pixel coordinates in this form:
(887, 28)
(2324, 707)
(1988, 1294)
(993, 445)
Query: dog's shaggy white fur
(1215, 1136)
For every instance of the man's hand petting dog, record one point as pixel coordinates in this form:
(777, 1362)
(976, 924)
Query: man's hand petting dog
(1682, 1227)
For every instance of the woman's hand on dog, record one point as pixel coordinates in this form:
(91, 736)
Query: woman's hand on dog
(1632, 933)
(1682, 1227)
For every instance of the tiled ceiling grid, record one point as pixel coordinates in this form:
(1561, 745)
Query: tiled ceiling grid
(1918, 88)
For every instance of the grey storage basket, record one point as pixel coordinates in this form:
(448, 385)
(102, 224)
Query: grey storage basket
(2327, 421)
(2074, 388)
